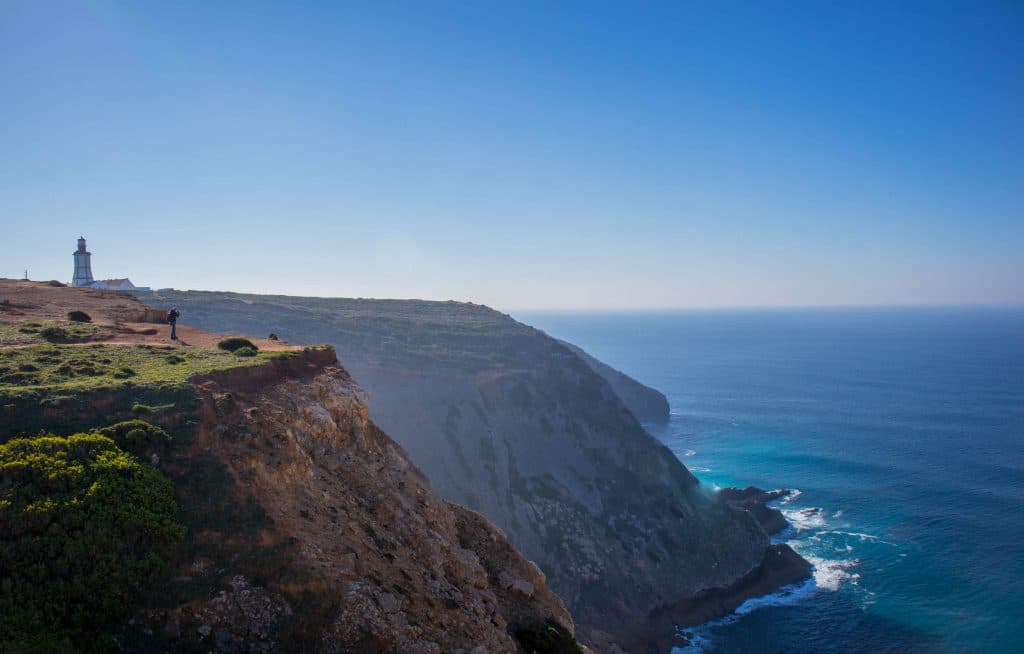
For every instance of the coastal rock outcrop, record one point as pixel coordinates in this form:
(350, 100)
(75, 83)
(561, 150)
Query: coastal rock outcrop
(756, 501)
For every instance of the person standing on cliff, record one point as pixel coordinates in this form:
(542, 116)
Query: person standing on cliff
(172, 320)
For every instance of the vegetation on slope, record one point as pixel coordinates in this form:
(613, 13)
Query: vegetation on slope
(29, 369)
(59, 387)
(47, 331)
(548, 638)
(85, 529)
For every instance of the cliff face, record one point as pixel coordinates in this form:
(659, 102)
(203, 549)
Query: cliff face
(646, 403)
(516, 425)
(318, 533)
(617, 523)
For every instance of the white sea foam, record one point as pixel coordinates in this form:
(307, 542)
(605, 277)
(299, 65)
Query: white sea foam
(700, 637)
(804, 519)
(858, 535)
(829, 574)
(793, 494)
(785, 596)
(689, 452)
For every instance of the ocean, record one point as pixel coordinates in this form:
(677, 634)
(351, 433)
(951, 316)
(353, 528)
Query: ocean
(901, 432)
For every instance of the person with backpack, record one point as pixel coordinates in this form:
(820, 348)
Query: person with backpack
(172, 320)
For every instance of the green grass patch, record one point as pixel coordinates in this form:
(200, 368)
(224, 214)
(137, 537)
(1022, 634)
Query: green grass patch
(51, 331)
(76, 368)
(244, 352)
(69, 388)
(19, 334)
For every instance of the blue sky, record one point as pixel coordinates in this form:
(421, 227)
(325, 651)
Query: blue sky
(524, 155)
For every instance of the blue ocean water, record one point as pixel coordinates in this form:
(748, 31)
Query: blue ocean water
(902, 429)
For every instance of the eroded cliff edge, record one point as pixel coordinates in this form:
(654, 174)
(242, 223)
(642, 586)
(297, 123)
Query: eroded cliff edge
(516, 425)
(330, 533)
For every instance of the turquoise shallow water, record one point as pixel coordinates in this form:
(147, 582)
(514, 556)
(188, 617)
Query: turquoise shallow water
(903, 430)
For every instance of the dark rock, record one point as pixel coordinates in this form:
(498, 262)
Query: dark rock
(755, 501)
(781, 566)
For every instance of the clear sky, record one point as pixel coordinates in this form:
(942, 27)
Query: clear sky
(523, 155)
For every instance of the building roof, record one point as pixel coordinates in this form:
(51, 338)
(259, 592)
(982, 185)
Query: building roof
(123, 283)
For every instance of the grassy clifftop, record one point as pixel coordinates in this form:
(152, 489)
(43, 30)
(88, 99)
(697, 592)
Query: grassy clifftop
(420, 334)
(69, 387)
(70, 359)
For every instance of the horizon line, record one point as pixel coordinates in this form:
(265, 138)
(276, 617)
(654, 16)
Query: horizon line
(612, 309)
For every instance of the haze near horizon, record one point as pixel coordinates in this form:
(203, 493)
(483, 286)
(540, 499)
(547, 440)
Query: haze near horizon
(521, 155)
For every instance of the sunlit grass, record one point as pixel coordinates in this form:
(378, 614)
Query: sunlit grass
(71, 368)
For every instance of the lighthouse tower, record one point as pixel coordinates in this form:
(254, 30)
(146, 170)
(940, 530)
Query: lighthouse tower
(83, 266)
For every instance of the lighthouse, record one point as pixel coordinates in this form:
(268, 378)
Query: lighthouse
(83, 265)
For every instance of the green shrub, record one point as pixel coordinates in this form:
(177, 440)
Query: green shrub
(55, 334)
(137, 435)
(141, 408)
(244, 352)
(547, 638)
(54, 283)
(233, 343)
(124, 373)
(79, 316)
(174, 359)
(85, 528)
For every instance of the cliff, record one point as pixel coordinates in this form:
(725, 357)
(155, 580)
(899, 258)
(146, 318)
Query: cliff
(353, 549)
(519, 427)
(307, 527)
(646, 403)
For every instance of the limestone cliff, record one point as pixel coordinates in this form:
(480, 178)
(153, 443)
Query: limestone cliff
(516, 425)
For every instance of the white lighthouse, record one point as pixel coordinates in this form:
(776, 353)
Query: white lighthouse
(83, 265)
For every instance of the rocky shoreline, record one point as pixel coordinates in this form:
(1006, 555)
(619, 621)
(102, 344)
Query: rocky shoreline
(781, 566)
